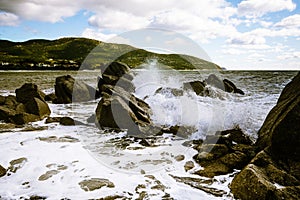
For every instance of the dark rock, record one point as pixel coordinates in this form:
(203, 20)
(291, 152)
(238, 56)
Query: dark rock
(52, 120)
(119, 81)
(95, 183)
(10, 102)
(237, 136)
(214, 169)
(274, 173)
(91, 119)
(2, 99)
(213, 80)
(27, 92)
(6, 114)
(37, 107)
(189, 165)
(119, 109)
(24, 118)
(180, 131)
(230, 87)
(2, 171)
(282, 122)
(50, 97)
(118, 69)
(67, 90)
(67, 121)
(197, 86)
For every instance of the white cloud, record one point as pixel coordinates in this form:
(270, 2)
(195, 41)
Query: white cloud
(96, 34)
(257, 8)
(289, 55)
(292, 21)
(8, 19)
(48, 11)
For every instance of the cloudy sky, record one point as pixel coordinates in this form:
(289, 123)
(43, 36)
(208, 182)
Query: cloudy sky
(236, 34)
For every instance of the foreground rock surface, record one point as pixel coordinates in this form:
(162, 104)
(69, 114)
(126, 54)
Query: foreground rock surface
(274, 173)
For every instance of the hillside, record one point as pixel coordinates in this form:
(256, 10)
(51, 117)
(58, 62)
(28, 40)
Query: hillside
(72, 53)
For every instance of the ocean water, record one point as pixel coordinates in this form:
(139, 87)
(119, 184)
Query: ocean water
(96, 154)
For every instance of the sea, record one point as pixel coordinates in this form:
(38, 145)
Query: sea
(68, 155)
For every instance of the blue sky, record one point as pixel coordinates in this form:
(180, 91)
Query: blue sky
(236, 34)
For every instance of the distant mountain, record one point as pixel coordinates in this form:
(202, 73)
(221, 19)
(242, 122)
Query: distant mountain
(72, 53)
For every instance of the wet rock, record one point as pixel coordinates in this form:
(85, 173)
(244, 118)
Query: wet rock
(201, 184)
(52, 120)
(67, 121)
(29, 91)
(274, 173)
(2, 171)
(95, 183)
(189, 165)
(197, 86)
(224, 152)
(225, 85)
(230, 87)
(180, 131)
(6, 114)
(24, 118)
(17, 164)
(169, 91)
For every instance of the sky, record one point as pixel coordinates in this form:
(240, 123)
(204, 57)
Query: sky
(235, 34)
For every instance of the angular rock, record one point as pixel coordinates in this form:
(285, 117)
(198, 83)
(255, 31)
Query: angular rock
(67, 90)
(230, 87)
(27, 92)
(2, 171)
(37, 107)
(213, 80)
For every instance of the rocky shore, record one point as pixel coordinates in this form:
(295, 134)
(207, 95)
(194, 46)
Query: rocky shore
(268, 168)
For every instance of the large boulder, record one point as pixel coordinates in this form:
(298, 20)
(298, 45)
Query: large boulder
(67, 90)
(29, 91)
(118, 109)
(37, 107)
(274, 173)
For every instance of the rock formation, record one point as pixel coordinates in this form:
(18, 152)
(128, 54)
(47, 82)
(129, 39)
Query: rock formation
(274, 173)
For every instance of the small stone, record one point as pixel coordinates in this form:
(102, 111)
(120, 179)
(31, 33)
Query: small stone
(143, 171)
(189, 165)
(179, 158)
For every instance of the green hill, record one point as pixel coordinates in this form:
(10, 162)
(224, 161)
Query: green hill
(72, 53)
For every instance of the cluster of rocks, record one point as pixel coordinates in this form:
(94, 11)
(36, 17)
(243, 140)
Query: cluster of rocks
(201, 87)
(274, 172)
(223, 152)
(27, 106)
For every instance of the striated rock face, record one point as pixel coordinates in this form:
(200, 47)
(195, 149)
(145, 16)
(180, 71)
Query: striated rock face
(274, 173)
(67, 90)
(28, 106)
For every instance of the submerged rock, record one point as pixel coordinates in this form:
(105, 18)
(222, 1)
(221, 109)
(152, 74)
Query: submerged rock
(274, 173)
(197, 86)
